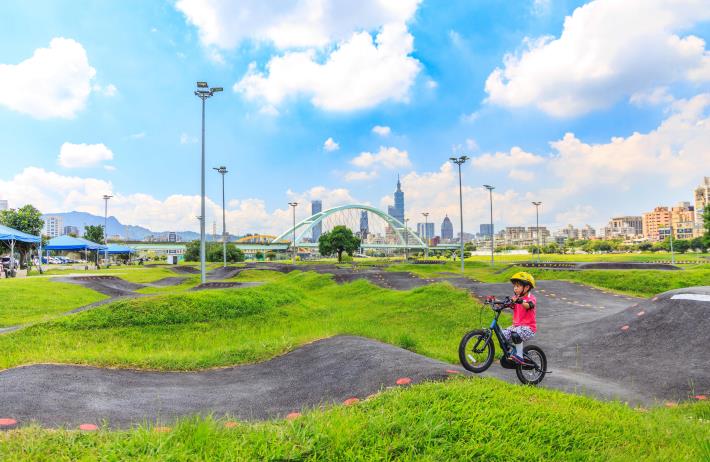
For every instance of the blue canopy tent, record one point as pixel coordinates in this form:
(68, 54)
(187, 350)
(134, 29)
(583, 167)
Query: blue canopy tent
(12, 235)
(73, 243)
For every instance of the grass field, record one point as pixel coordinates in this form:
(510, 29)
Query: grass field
(463, 419)
(29, 300)
(195, 330)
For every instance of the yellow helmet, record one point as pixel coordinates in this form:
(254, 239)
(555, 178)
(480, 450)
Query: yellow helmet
(525, 278)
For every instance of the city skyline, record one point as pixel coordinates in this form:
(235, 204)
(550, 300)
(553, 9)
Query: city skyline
(488, 80)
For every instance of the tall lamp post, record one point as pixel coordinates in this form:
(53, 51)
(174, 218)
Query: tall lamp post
(426, 233)
(490, 192)
(203, 92)
(406, 239)
(537, 227)
(223, 171)
(458, 161)
(293, 242)
(672, 254)
(106, 198)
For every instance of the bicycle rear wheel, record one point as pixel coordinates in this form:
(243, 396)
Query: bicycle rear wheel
(532, 375)
(476, 351)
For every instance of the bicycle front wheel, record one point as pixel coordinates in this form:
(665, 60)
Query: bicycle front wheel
(476, 351)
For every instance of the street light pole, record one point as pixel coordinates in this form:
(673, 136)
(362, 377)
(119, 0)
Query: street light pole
(672, 254)
(537, 227)
(490, 192)
(223, 171)
(459, 161)
(406, 239)
(203, 92)
(293, 242)
(106, 198)
(426, 233)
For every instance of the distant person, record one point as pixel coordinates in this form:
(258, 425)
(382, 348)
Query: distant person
(524, 308)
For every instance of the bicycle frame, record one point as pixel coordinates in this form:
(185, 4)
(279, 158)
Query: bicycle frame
(494, 329)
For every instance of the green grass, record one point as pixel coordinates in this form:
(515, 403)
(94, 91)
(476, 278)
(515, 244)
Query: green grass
(195, 330)
(463, 419)
(26, 300)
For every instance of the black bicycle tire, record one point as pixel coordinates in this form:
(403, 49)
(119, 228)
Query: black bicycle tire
(462, 352)
(543, 366)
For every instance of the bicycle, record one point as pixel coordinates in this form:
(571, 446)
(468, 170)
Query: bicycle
(476, 350)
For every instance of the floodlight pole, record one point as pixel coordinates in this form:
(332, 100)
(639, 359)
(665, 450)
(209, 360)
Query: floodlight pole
(223, 171)
(293, 242)
(537, 227)
(672, 254)
(459, 161)
(426, 233)
(203, 92)
(490, 191)
(406, 240)
(106, 199)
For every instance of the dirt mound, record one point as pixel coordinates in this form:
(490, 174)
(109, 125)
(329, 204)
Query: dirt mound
(326, 371)
(167, 282)
(225, 285)
(659, 345)
(109, 285)
(185, 270)
(224, 272)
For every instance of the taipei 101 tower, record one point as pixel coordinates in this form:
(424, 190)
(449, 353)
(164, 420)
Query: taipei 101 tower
(398, 210)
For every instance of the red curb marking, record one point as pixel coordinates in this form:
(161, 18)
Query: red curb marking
(162, 429)
(232, 424)
(625, 328)
(640, 313)
(700, 397)
(350, 401)
(293, 416)
(7, 422)
(88, 427)
(404, 381)
(451, 371)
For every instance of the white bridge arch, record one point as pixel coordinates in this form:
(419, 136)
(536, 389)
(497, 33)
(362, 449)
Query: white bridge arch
(405, 238)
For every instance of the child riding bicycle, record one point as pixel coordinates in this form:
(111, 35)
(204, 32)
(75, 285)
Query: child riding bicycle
(524, 308)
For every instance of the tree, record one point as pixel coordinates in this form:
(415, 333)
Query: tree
(706, 224)
(94, 233)
(339, 240)
(213, 252)
(271, 255)
(26, 219)
(681, 245)
(259, 256)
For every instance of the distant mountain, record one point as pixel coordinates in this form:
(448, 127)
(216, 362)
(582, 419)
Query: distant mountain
(133, 233)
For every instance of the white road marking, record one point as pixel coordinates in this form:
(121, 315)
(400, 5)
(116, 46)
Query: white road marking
(696, 297)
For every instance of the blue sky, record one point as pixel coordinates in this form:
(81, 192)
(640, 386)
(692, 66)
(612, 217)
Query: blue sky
(600, 114)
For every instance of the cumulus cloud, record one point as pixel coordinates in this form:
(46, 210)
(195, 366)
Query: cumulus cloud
(294, 24)
(387, 157)
(83, 155)
(330, 145)
(602, 56)
(53, 82)
(359, 74)
(381, 130)
(654, 97)
(107, 90)
(516, 158)
(361, 175)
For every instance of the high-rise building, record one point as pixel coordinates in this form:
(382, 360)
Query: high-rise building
(486, 230)
(364, 225)
(656, 224)
(447, 229)
(702, 201)
(425, 230)
(683, 220)
(317, 230)
(398, 209)
(53, 226)
(627, 227)
(71, 230)
(3, 204)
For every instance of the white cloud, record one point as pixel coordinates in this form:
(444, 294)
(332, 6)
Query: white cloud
(540, 7)
(187, 139)
(83, 155)
(359, 74)
(361, 175)
(656, 96)
(108, 90)
(137, 136)
(53, 82)
(109, 168)
(387, 157)
(516, 158)
(431, 84)
(608, 50)
(521, 175)
(330, 145)
(381, 130)
(293, 24)
(471, 117)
